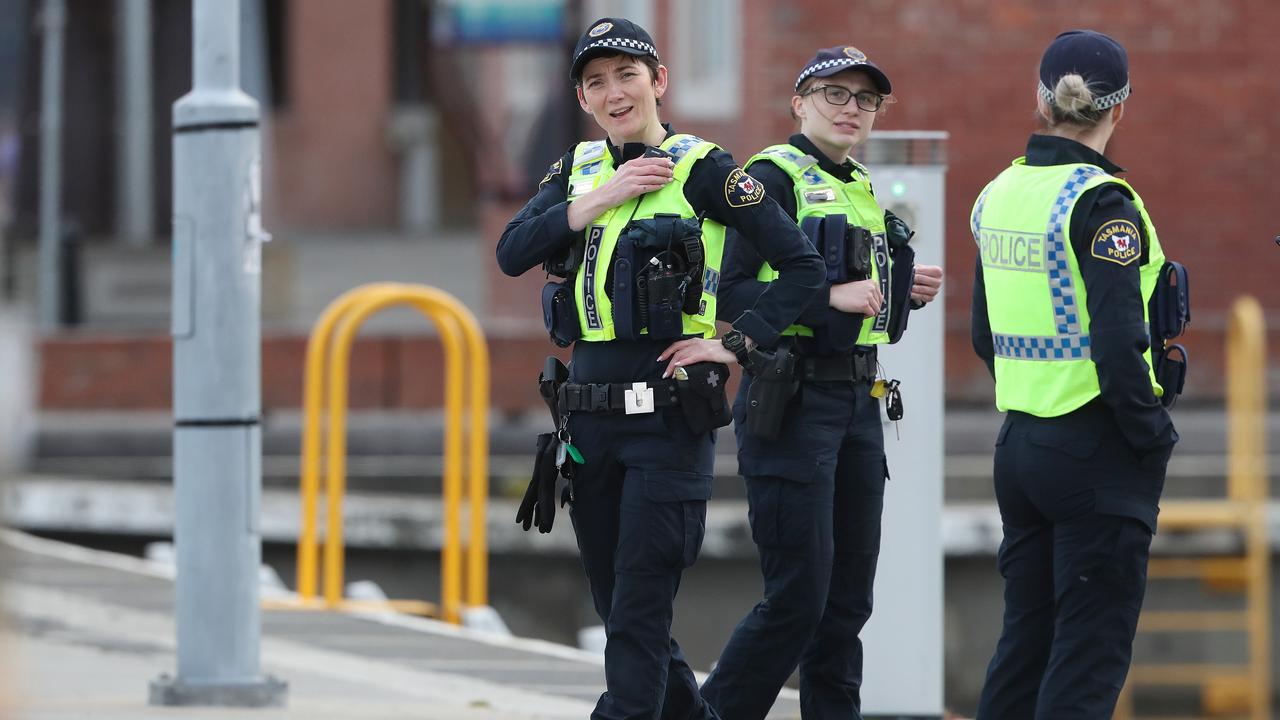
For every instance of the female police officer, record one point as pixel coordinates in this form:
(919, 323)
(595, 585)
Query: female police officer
(636, 224)
(1068, 260)
(815, 474)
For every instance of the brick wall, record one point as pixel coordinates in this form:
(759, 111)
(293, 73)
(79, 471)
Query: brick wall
(332, 168)
(95, 372)
(1200, 137)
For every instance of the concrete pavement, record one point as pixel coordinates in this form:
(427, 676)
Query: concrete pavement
(88, 631)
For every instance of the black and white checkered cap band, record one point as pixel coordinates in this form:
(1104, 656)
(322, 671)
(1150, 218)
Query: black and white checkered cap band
(1101, 103)
(841, 62)
(644, 47)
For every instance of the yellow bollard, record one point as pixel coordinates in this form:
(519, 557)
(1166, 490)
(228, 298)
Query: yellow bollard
(1247, 480)
(313, 398)
(462, 340)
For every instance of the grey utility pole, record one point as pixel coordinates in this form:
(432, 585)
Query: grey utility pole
(134, 177)
(217, 440)
(53, 20)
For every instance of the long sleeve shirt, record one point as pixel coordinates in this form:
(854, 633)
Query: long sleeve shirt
(739, 283)
(541, 230)
(1118, 334)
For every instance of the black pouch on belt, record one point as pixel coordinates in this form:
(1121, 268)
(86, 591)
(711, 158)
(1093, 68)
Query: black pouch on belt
(1171, 371)
(560, 314)
(702, 395)
(1170, 305)
(774, 382)
(1170, 313)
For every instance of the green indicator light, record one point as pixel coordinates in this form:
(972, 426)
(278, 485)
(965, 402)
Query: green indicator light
(899, 189)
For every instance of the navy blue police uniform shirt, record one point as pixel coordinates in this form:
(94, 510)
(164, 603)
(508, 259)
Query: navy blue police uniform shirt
(739, 284)
(1118, 335)
(541, 230)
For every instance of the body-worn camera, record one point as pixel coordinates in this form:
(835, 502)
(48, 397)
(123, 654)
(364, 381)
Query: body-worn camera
(845, 248)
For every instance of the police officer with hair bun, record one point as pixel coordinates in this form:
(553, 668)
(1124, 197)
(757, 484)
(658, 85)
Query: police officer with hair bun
(632, 226)
(1068, 263)
(808, 424)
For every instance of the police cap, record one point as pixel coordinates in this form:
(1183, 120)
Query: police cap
(607, 36)
(830, 61)
(1097, 58)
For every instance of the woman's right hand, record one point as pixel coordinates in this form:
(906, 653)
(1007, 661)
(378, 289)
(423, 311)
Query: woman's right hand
(634, 177)
(862, 297)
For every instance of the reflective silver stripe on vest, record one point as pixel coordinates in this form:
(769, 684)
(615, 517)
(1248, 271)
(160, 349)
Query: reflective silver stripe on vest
(1070, 343)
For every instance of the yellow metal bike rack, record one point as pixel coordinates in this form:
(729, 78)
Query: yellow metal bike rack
(466, 383)
(1241, 690)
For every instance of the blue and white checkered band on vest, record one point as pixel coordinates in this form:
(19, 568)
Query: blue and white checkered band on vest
(810, 176)
(1070, 343)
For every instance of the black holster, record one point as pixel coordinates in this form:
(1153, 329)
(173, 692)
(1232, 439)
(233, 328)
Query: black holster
(702, 396)
(774, 381)
(904, 276)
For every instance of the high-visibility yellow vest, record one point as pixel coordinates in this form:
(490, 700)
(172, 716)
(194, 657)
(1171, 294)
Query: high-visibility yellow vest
(592, 167)
(819, 193)
(1036, 300)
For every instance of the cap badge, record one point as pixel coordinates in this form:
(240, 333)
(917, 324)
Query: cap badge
(601, 29)
(855, 53)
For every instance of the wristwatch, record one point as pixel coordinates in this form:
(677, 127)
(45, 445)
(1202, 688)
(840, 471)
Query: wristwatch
(735, 342)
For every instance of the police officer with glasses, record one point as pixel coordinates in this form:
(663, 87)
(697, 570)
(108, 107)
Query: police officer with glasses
(809, 430)
(634, 224)
(1068, 263)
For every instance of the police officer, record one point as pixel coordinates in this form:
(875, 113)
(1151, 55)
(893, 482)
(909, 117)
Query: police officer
(640, 215)
(816, 488)
(1068, 259)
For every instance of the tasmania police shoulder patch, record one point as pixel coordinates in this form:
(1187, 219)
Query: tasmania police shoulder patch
(555, 168)
(740, 189)
(1117, 241)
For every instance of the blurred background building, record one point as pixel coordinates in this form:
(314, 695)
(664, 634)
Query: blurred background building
(401, 135)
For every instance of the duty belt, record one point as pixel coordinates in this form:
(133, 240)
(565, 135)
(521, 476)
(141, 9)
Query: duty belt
(856, 367)
(630, 398)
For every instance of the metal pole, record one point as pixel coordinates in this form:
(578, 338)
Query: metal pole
(53, 21)
(135, 202)
(217, 441)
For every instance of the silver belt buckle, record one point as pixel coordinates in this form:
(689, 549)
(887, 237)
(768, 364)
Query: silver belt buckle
(639, 399)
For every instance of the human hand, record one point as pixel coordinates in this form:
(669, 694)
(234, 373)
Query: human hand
(694, 350)
(634, 177)
(927, 283)
(862, 297)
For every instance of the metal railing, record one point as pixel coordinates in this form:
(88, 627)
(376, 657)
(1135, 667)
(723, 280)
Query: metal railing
(466, 361)
(1240, 690)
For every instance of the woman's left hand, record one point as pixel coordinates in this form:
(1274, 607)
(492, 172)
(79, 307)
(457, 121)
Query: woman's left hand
(694, 350)
(927, 283)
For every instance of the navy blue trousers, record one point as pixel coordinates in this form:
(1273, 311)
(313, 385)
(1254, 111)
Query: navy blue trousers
(1078, 507)
(639, 513)
(816, 496)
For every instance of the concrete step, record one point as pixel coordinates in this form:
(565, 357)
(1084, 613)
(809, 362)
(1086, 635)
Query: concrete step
(391, 521)
(968, 476)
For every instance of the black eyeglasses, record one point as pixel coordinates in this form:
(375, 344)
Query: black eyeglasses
(836, 95)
